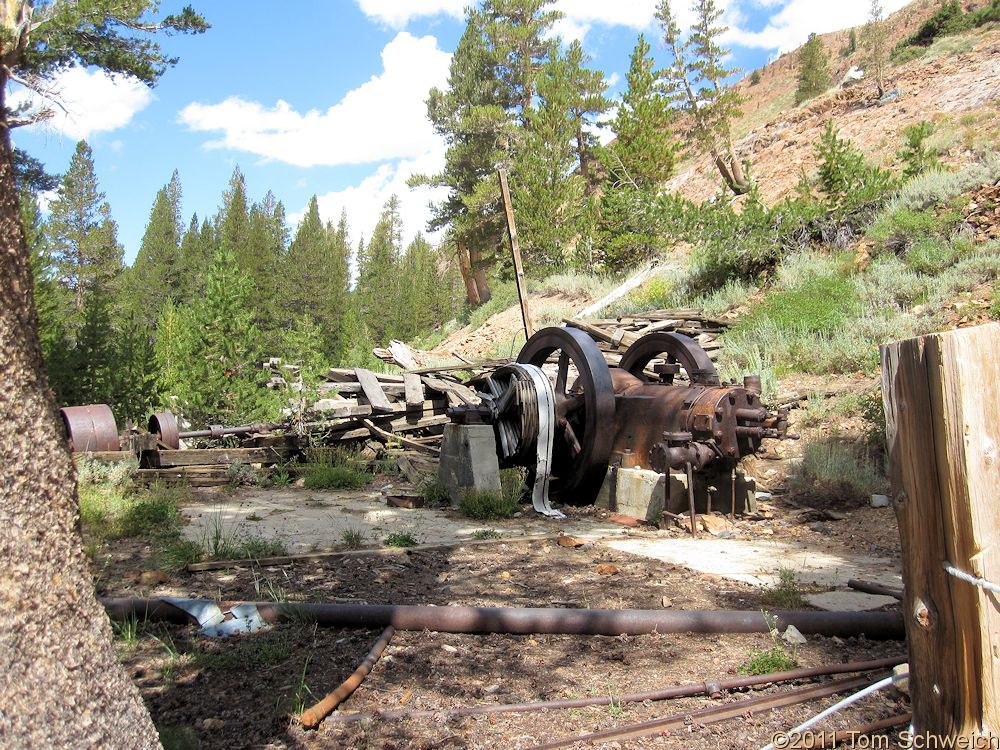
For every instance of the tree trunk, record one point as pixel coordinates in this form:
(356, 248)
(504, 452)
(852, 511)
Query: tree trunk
(479, 274)
(60, 680)
(732, 172)
(465, 266)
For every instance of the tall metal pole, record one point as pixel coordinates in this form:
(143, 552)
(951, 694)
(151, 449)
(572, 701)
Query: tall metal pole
(515, 250)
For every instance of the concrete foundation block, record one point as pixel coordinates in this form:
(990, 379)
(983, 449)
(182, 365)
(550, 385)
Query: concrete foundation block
(711, 493)
(638, 493)
(469, 460)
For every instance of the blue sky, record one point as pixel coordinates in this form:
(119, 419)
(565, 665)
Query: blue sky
(326, 97)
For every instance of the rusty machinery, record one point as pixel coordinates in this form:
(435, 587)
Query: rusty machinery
(662, 408)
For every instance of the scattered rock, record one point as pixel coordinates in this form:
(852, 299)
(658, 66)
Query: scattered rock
(821, 528)
(716, 525)
(903, 685)
(881, 501)
(565, 540)
(449, 648)
(505, 575)
(624, 520)
(153, 577)
(666, 602)
(404, 501)
(793, 637)
(607, 569)
(212, 724)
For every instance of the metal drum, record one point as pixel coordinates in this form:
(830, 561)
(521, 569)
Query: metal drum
(91, 428)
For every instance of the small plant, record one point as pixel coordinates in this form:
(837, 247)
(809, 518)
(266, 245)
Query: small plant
(483, 534)
(281, 478)
(916, 155)
(400, 539)
(755, 78)
(485, 505)
(784, 594)
(834, 473)
(176, 553)
(995, 306)
(775, 659)
(127, 631)
(352, 538)
(615, 708)
(235, 543)
(302, 691)
(435, 493)
(242, 474)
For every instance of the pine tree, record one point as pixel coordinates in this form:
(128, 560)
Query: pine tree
(587, 105)
(197, 251)
(644, 152)
(233, 220)
(267, 238)
(155, 276)
(875, 47)
(482, 116)
(315, 274)
(378, 289)
(814, 70)
(696, 80)
(210, 352)
(548, 192)
(81, 236)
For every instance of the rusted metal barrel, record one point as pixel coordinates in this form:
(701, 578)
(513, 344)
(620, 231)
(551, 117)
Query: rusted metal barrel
(91, 428)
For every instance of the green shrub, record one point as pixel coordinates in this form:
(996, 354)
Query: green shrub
(774, 659)
(785, 593)
(947, 19)
(176, 553)
(940, 187)
(330, 477)
(833, 473)
(817, 305)
(435, 493)
(352, 538)
(931, 255)
(242, 474)
(400, 539)
(484, 505)
(149, 515)
(916, 155)
(852, 187)
(995, 306)
(483, 534)
(236, 543)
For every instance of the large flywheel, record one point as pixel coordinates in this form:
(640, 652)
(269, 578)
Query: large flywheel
(682, 352)
(584, 411)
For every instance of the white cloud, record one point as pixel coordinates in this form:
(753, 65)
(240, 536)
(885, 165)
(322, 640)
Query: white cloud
(636, 14)
(88, 102)
(398, 13)
(384, 118)
(791, 25)
(363, 202)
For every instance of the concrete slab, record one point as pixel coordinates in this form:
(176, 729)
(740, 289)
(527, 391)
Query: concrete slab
(758, 562)
(310, 520)
(848, 601)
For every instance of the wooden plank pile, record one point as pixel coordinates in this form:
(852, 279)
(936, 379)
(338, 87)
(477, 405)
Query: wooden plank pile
(411, 407)
(615, 335)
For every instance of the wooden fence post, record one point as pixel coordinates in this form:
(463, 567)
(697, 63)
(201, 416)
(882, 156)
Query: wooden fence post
(942, 406)
(515, 250)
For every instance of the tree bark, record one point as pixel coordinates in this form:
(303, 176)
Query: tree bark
(479, 274)
(465, 266)
(60, 680)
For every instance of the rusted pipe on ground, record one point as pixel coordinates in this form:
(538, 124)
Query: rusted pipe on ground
(311, 717)
(715, 714)
(841, 737)
(708, 687)
(870, 587)
(529, 621)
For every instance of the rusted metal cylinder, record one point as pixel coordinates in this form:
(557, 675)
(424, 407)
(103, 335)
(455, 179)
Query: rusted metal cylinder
(163, 424)
(91, 428)
(525, 621)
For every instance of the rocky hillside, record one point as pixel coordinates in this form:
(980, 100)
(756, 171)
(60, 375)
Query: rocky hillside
(955, 84)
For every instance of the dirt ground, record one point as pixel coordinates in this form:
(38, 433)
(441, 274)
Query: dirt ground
(247, 691)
